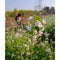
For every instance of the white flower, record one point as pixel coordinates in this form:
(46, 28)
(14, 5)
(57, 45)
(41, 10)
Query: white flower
(29, 40)
(44, 21)
(33, 43)
(27, 48)
(48, 50)
(17, 34)
(25, 45)
(46, 42)
(20, 35)
(38, 24)
(28, 27)
(46, 38)
(42, 44)
(35, 37)
(30, 18)
(24, 31)
(42, 29)
(40, 33)
(46, 34)
(35, 31)
(28, 53)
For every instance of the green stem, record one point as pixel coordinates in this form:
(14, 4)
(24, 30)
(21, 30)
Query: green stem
(31, 48)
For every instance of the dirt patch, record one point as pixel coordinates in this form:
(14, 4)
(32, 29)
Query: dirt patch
(10, 23)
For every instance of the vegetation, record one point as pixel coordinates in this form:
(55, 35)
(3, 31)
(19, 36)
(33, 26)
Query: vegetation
(35, 41)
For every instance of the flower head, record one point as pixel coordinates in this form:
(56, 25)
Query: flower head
(46, 34)
(38, 24)
(35, 31)
(44, 21)
(28, 53)
(40, 33)
(42, 44)
(48, 50)
(17, 34)
(28, 27)
(35, 37)
(42, 29)
(30, 18)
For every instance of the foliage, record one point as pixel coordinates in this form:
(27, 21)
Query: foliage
(25, 13)
(31, 44)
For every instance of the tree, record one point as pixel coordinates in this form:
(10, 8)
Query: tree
(38, 5)
(52, 10)
(46, 9)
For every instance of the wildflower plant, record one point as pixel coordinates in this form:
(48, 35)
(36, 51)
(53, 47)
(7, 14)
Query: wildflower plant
(31, 42)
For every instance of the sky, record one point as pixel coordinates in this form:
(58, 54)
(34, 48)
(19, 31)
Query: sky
(26, 4)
